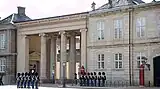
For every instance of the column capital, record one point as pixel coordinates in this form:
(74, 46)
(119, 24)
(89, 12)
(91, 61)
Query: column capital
(82, 30)
(43, 34)
(62, 32)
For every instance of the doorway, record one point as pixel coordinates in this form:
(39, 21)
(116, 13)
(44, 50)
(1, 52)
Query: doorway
(156, 63)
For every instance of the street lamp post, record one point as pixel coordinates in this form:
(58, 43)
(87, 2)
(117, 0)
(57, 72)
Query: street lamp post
(64, 64)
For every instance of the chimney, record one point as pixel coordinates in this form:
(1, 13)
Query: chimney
(110, 3)
(154, 1)
(93, 6)
(21, 10)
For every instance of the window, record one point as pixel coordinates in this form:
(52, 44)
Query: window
(101, 61)
(2, 41)
(118, 60)
(100, 29)
(158, 23)
(2, 65)
(140, 27)
(140, 59)
(118, 28)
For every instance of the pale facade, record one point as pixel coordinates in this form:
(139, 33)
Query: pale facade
(124, 34)
(113, 39)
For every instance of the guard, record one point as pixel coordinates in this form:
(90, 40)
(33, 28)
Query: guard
(99, 79)
(25, 79)
(95, 79)
(22, 80)
(92, 79)
(83, 80)
(75, 78)
(32, 80)
(18, 80)
(36, 80)
(87, 78)
(80, 80)
(103, 79)
(28, 80)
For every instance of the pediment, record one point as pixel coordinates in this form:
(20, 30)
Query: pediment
(34, 55)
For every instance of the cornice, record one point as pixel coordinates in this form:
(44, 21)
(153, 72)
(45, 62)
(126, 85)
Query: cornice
(123, 45)
(58, 19)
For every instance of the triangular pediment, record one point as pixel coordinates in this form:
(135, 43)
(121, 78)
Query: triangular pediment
(34, 55)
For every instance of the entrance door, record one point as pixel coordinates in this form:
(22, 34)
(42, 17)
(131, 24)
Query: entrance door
(156, 62)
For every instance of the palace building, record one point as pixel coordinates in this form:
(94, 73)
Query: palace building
(115, 38)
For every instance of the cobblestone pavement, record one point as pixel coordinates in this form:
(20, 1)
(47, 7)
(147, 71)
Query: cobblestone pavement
(56, 86)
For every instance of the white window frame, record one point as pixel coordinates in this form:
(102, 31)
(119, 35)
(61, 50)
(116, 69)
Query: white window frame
(118, 26)
(100, 29)
(139, 61)
(117, 61)
(101, 61)
(2, 40)
(140, 26)
(2, 64)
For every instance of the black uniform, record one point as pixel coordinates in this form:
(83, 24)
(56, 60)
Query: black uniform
(75, 78)
(103, 79)
(99, 79)
(36, 80)
(22, 80)
(95, 79)
(18, 80)
(92, 79)
(29, 80)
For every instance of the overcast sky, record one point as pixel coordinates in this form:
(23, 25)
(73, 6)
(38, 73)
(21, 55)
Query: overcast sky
(48, 8)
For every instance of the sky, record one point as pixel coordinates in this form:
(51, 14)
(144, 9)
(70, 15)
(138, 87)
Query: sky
(48, 8)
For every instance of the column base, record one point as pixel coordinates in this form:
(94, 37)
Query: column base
(67, 81)
(45, 81)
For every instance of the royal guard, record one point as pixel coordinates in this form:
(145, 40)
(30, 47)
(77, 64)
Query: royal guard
(18, 80)
(87, 78)
(29, 80)
(36, 80)
(95, 79)
(92, 79)
(99, 79)
(22, 80)
(25, 79)
(103, 79)
(33, 79)
(75, 78)
(80, 80)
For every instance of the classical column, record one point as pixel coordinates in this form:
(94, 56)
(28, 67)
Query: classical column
(84, 47)
(72, 56)
(23, 53)
(43, 57)
(63, 55)
(53, 56)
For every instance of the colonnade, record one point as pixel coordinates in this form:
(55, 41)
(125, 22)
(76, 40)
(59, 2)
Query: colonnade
(23, 52)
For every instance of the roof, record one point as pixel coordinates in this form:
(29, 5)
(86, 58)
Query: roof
(52, 17)
(133, 2)
(14, 18)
